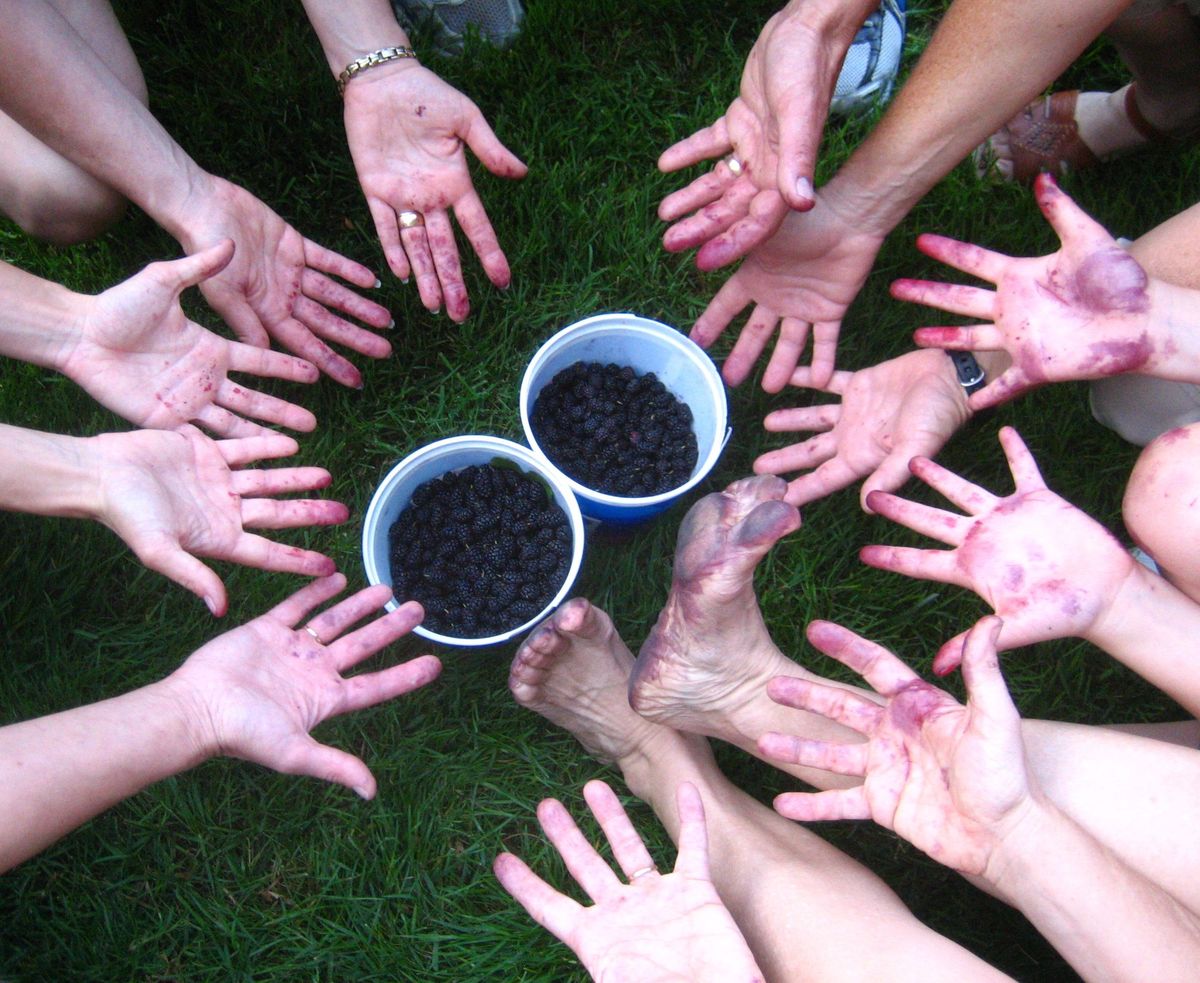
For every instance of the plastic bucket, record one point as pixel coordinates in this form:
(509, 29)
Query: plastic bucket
(434, 460)
(646, 346)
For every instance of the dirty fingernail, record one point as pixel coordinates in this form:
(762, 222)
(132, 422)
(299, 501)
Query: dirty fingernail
(804, 188)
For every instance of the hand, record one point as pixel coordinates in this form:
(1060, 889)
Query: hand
(658, 926)
(773, 129)
(1083, 312)
(275, 286)
(1045, 567)
(804, 276)
(406, 129)
(139, 355)
(258, 690)
(950, 779)
(889, 414)
(175, 496)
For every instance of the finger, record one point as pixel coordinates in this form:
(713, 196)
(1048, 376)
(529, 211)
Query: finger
(832, 476)
(789, 346)
(257, 483)
(270, 364)
(744, 218)
(815, 418)
(584, 863)
(327, 261)
(967, 496)
(874, 663)
(842, 759)
(1011, 384)
(485, 145)
(369, 689)
(964, 256)
(732, 245)
(986, 691)
(801, 122)
(331, 294)
(714, 219)
(824, 356)
(950, 655)
(221, 423)
(416, 248)
(940, 565)
(376, 634)
(799, 457)
(293, 608)
(324, 324)
(173, 562)
(972, 338)
(272, 409)
(832, 702)
(804, 375)
(267, 513)
(299, 338)
(692, 859)
(238, 314)
(627, 847)
(953, 297)
(551, 909)
(477, 227)
(444, 250)
(329, 624)
(267, 447)
(192, 270)
(306, 756)
(705, 144)
(1020, 462)
(891, 474)
(723, 308)
(704, 190)
(388, 229)
(1073, 225)
(750, 344)
(810, 807)
(264, 554)
(946, 527)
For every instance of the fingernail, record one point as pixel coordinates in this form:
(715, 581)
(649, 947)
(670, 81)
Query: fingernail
(378, 283)
(404, 280)
(361, 386)
(212, 605)
(804, 188)
(436, 310)
(391, 324)
(361, 792)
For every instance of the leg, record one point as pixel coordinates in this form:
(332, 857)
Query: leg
(802, 905)
(47, 195)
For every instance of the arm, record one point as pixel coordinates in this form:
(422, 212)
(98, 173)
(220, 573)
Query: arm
(172, 497)
(253, 693)
(953, 781)
(276, 286)
(407, 130)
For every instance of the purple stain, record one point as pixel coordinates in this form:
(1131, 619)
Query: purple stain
(1114, 357)
(1111, 281)
(1014, 577)
(913, 704)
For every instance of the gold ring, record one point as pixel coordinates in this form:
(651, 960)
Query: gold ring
(642, 872)
(410, 220)
(316, 637)
(734, 165)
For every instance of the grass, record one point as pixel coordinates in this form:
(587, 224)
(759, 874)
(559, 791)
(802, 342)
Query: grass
(232, 873)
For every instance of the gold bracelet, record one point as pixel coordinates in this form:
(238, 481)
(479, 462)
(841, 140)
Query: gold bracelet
(370, 61)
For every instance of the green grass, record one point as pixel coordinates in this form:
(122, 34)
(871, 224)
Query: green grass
(232, 873)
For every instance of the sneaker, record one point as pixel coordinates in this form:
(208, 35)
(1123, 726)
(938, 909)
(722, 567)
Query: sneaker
(444, 23)
(873, 61)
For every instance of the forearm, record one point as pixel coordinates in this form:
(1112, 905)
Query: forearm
(975, 74)
(38, 318)
(1152, 627)
(352, 29)
(56, 87)
(47, 474)
(1109, 922)
(1171, 251)
(59, 771)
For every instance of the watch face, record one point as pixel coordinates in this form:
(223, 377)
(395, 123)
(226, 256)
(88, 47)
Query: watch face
(970, 373)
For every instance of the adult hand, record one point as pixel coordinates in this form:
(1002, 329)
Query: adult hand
(406, 129)
(258, 690)
(889, 414)
(139, 355)
(950, 779)
(1045, 567)
(276, 285)
(658, 926)
(803, 277)
(1084, 312)
(173, 497)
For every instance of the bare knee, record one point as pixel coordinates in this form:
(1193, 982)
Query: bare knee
(1162, 505)
(64, 220)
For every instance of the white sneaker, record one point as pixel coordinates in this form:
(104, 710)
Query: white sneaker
(445, 22)
(873, 61)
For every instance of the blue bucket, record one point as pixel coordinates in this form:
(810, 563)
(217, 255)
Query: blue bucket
(646, 346)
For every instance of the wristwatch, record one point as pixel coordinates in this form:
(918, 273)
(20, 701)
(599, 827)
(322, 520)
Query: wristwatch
(970, 373)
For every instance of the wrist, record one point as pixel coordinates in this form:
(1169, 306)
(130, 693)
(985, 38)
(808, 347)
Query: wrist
(1173, 323)
(47, 474)
(183, 723)
(1020, 852)
(830, 18)
(866, 207)
(182, 207)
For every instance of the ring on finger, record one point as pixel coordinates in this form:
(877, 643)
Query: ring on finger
(735, 166)
(411, 220)
(642, 872)
(316, 638)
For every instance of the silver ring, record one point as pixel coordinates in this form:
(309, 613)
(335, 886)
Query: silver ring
(734, 165)
(316, 637)
(410, 220)
(642, 872)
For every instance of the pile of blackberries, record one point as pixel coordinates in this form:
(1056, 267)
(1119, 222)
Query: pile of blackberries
(615, 431)
(483, 549)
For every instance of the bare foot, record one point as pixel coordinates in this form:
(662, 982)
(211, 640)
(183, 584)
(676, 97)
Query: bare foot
(710, 654)
(574, 670)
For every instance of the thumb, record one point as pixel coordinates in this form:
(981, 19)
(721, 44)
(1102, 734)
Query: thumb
(986, 690)
(194, 269)
(183, 568)
(496, 157)
(330, 765)
(949, 655)
(801, 121)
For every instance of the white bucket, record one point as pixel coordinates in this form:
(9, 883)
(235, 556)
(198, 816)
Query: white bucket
(432, 461)
(646, 346)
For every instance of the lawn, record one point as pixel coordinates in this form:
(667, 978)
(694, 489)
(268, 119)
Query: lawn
(230, 872)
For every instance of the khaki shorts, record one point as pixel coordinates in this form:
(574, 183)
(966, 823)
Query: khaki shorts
(1140, 407)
